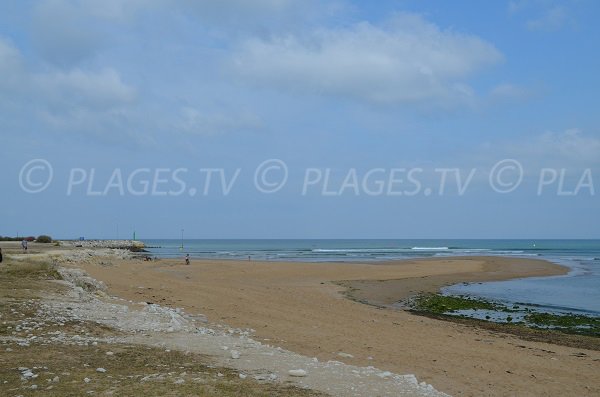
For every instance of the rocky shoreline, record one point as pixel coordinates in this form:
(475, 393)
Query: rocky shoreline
(114, 244)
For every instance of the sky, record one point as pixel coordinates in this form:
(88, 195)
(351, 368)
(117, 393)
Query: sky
(300, 119)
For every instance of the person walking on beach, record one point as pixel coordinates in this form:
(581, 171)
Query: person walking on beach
(187, 259)
(0, 255)
(24, 246)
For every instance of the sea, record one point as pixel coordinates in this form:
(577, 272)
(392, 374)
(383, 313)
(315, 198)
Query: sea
(578, 292)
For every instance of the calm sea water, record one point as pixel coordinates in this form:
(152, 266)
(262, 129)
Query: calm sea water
(579, 291)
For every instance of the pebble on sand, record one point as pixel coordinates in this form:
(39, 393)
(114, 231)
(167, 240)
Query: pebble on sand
(297, 372)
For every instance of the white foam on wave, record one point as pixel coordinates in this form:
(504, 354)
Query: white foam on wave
(342, 250)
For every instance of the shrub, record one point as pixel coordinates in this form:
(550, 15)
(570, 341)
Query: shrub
(44, 239)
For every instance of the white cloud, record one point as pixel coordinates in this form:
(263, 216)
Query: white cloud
(194, 121)
(553, 18)
(569, 148)
(103, 89)
(407, 61)
(510, 91)
(11, 65)
(243, 14)
(62, 34)
(544, 15)
(85, 101)
(570, 144)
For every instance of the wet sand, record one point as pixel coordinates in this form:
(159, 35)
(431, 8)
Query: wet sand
(301, 307)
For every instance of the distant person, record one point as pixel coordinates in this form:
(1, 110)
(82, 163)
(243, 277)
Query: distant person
(187, 259)
(0, 255)
(24, 246)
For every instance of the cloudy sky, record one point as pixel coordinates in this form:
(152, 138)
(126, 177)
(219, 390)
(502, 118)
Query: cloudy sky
(300, 119)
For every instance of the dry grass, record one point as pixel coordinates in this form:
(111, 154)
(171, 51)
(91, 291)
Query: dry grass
(131, 370)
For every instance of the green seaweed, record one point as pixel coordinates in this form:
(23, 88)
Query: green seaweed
(441, 304)
(447, 306)
(563, 321)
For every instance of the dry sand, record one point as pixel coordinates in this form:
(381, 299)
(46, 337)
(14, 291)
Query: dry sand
(301, 307)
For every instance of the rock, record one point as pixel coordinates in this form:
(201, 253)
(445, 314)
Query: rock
(235, 354)
(27, 374)
(56, 379)
(110, 353)
(87, 380)
(297, 373)
(346, 355)
(100, 370)
(243, 376)
(179, 381)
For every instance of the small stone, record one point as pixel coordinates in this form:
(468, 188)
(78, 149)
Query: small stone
(235, 354)
(179, 381)
(100, 370)
(110, 353)
(56, 379)
(346, 355)
(87, 380)
(297, 372)
(243, 376)
(27, 374)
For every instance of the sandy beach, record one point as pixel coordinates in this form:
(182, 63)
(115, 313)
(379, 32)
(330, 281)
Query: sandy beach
(301, 307)
(314, 309)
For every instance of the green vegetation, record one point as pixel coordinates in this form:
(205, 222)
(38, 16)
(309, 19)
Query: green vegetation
(44, 239)
(6, 238)
(569, 321)
(35, 271)
(440, 304)
(447, 307)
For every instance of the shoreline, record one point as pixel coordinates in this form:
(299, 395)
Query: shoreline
(385, 293)
(298, 306)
